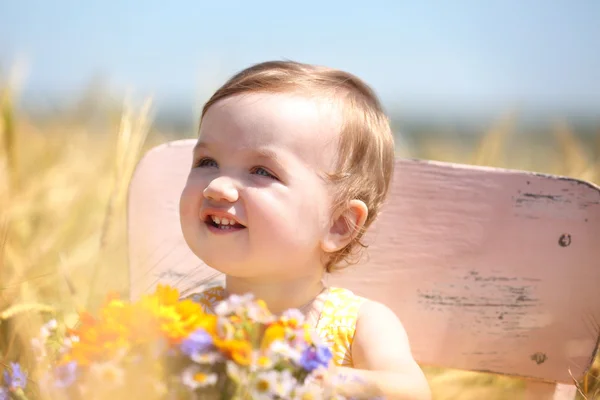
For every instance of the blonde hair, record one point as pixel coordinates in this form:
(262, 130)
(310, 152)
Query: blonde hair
(366, 147)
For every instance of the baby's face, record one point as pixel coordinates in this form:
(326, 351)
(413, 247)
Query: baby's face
(257, 202)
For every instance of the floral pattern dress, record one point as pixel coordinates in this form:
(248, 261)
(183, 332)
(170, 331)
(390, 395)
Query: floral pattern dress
(337, 322)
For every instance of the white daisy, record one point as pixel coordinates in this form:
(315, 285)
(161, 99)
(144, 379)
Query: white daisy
(67, 344)
(284, 350)
(194, 378)
(233, 304)
(206, 358)
(39, 349)
(308, 392)
(260, 361)
(236, 373)
(258, 311)
(225, 328)
(48, 328)
(294, 316)
(270, 384)
(108, 373)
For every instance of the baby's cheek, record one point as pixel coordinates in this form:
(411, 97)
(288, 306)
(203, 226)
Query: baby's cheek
(192, 194)
(270, 223)
(285, 217)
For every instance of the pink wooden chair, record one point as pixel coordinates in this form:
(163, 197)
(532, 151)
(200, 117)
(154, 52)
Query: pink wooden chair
(489, 270)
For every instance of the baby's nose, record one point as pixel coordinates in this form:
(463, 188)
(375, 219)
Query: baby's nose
(221, 189)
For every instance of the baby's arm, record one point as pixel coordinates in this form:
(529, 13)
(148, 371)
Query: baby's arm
(382, 358)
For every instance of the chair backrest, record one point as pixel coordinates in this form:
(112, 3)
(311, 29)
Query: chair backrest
(489, 270)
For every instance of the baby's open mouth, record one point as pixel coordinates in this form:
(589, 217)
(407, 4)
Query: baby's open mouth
(223, 223)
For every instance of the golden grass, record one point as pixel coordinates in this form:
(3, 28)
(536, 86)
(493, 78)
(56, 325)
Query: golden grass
(62, 219)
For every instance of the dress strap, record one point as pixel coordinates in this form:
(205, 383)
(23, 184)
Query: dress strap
(337, 324)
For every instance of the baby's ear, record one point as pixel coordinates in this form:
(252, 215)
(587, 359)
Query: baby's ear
(345, 226)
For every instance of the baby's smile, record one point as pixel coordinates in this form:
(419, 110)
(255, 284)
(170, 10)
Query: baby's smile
(222, 222)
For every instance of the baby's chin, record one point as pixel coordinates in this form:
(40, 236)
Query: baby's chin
(230, 265)
(243, 268)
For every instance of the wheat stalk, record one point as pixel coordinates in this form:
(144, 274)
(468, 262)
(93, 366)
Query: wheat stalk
(131, 136)
(23, 308)
(491, 147)
(575, 159)
(8, 135)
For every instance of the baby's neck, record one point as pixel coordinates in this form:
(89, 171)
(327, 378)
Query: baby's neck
(278, 295)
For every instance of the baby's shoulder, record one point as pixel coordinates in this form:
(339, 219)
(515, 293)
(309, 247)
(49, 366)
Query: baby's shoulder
(372, 311)
(378, 323)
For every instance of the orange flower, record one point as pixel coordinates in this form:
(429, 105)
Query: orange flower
(239, 351)
(121, 324)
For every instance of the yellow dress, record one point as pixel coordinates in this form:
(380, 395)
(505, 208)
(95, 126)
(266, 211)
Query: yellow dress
(337, 322)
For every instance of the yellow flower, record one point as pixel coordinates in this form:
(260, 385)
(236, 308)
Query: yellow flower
(166, 295)
(122, 324)
(177, 319)
(272, 333)
(310, 336)
(194, 317)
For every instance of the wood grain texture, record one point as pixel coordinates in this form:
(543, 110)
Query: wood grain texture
(489, 270)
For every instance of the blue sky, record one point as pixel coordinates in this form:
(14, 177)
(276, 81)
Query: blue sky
(418, 55)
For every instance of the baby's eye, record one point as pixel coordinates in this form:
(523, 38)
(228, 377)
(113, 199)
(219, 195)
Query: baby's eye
(206, 162)
(263, 172)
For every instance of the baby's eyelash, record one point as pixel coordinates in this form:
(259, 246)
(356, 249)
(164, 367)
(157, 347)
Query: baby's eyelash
(265, 172)
(205, 162)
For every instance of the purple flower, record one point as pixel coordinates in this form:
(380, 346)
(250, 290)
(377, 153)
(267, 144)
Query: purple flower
(65, 375)
(315, 357)
(4, 394)
(16, 379)
(198, 342)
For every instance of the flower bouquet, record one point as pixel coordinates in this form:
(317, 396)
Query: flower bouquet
(163, 347)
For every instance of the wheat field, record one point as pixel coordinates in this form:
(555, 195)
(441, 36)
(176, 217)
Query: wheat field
(63, 187)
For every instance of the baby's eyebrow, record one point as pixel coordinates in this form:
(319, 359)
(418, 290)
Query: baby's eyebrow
(268, 154)
(199, 146)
